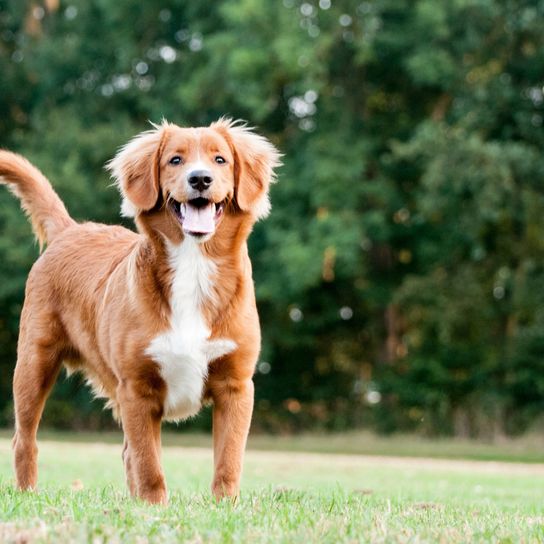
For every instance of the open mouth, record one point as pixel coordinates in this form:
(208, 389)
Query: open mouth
(198, 216)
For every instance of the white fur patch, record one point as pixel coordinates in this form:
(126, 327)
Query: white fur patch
(184, 352)
(128, 209)
(261, 208)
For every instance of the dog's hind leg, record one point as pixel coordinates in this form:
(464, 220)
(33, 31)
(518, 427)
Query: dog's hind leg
(38, 364)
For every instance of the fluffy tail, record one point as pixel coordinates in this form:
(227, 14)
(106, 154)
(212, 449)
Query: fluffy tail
(38, 199)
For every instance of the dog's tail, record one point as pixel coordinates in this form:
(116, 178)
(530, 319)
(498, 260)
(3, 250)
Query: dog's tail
(38, 199)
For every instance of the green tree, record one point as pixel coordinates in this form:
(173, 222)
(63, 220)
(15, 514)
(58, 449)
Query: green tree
(400, 275)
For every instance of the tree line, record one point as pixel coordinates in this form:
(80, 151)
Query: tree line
(400, 276)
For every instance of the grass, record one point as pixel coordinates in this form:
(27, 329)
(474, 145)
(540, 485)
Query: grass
(286, 497)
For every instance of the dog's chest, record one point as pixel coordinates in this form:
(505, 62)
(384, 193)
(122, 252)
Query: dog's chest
(185, 350)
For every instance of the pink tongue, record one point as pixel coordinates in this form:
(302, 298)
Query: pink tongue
(199, 220)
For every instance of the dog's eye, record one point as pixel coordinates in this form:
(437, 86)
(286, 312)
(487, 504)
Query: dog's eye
(176, 160)
(220, 160)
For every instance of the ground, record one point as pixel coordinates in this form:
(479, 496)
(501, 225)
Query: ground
(286, 496)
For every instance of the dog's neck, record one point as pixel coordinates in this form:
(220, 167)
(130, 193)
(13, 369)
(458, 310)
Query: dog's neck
(226, 251)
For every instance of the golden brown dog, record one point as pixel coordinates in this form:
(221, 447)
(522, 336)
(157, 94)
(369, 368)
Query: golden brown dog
(161, 320)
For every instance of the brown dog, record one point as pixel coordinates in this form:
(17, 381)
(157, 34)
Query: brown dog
(158, 321)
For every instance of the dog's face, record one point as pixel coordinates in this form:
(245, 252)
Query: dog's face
(197, 178)
(196, 175)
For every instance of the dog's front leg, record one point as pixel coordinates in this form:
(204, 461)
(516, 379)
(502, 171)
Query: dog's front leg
(141, 414)
(232, 410)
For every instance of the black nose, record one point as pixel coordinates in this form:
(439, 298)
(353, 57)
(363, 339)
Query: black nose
(200, 179)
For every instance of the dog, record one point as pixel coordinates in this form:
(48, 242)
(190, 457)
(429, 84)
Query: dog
(160, 320)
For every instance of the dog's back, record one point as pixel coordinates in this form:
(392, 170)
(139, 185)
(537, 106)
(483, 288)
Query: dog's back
(68, 286)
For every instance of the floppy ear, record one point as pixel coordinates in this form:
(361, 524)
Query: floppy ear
(136, 169)
(254, 161)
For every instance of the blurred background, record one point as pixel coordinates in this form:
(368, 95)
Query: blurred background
(400, 276)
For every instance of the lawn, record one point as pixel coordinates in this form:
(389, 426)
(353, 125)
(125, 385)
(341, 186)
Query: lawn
(286, 497)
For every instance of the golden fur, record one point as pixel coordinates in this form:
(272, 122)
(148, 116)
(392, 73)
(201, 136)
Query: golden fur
(99, 295)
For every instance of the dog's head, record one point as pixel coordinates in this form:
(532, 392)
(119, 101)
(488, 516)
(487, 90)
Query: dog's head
(196, 175)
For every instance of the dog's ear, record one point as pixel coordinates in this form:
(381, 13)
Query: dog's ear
(136, 170)
(254, 161)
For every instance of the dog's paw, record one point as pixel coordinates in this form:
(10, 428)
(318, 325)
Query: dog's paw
(222, 488)
(155, 494)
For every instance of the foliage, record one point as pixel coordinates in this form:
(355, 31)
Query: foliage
(400, 274)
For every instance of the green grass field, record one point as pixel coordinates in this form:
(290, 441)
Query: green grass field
(287, 496)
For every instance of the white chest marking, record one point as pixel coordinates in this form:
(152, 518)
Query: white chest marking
(184, 351)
